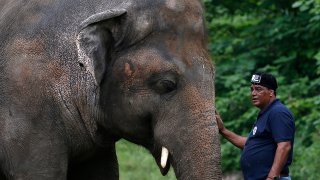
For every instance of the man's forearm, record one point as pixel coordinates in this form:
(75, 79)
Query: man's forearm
(235, 139)
(280, 158)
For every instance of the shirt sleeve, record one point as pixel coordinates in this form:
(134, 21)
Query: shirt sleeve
(282, 126)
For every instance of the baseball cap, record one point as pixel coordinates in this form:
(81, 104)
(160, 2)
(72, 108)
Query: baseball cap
(264, 79)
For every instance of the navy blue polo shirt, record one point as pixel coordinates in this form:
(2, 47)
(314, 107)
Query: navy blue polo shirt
(273, 125)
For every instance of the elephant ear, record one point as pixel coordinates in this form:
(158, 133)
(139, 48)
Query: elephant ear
(95, 40)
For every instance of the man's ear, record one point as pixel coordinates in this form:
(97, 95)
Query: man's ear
(95, 41)
(272, 92)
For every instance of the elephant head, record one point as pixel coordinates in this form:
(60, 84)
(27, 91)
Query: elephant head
(157, 83)
(79, 75)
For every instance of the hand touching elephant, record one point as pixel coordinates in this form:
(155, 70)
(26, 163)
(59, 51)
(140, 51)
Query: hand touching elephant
(76, 76)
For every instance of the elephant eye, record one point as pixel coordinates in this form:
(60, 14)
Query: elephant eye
(164, 86)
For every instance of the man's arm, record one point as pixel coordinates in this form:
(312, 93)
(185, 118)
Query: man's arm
(280, 158)
(235, 139)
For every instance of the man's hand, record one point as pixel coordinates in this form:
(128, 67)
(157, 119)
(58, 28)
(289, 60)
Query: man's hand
(280, 159)
(235, 139)
(219, 121)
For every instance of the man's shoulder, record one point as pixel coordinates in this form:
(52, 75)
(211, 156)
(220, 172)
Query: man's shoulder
(279, 109)
(278, 106)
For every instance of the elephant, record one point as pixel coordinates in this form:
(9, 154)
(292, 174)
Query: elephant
(76, 76)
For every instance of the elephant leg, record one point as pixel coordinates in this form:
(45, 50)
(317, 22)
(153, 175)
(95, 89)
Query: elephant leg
(102, 165)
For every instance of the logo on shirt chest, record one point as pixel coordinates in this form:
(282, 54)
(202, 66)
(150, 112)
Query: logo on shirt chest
(254, 130)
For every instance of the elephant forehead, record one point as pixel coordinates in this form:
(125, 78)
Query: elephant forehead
(183, 5)
(183, 14)
(179, 17)
(175, 5)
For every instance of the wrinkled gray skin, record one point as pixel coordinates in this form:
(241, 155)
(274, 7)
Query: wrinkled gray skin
(76, 76)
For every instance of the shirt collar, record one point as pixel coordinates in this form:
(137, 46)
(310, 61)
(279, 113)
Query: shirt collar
(269, 106)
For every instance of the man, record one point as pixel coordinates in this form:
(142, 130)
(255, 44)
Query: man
(267, 152)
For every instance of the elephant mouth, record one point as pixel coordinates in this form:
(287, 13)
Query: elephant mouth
(163, 158)
(164, 161)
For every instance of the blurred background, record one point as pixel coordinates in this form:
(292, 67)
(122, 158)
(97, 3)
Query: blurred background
(281, 37)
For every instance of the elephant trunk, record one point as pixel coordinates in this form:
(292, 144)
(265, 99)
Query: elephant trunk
(200, 153)
(193, 148)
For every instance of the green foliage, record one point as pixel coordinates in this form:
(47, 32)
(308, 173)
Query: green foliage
(135, 162)
(280, 37)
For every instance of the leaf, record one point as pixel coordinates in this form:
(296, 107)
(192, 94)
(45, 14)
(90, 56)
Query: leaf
(285, 59)
(317, 57)
(296, 4)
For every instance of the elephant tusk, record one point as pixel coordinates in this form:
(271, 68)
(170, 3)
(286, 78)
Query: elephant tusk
(164, 157)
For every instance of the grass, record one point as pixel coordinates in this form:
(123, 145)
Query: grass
(136, 163)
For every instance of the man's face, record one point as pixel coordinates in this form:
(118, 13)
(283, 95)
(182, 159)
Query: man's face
(260, 96)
